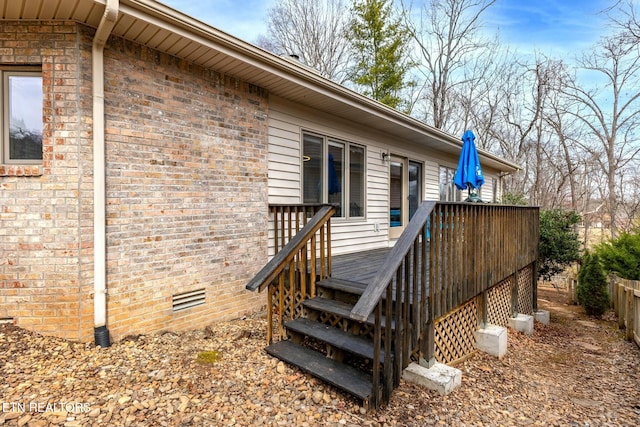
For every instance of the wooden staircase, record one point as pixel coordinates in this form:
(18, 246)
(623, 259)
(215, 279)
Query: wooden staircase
(356, 336)
(329, 345)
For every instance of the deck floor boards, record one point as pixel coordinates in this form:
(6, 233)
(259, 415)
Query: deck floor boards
(358, 266)
(362, 266)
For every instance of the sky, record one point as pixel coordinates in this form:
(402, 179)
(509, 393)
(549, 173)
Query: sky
(555, 27)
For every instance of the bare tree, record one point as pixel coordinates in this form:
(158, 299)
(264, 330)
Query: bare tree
(610, 112)
(477, 101)
(517, 128)
(312, 30)
(447, 34)
(626, 16)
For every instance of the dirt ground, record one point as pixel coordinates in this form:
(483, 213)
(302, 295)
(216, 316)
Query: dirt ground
(576, 371)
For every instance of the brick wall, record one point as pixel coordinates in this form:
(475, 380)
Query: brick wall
(186, 153)
(186, 190)
(45, 244)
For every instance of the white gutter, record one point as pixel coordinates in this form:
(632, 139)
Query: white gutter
(107, 23)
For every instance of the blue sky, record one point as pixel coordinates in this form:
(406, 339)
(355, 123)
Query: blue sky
(551, 26)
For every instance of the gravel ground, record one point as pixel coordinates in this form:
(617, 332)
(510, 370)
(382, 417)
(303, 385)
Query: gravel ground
(577, 371)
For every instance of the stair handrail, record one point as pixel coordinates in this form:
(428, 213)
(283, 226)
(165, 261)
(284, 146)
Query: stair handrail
(375, 289)
(281, 259)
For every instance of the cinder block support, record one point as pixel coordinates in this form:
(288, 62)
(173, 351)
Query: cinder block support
(542, 316)
(441, 378)
(522, 323)
(492, 340)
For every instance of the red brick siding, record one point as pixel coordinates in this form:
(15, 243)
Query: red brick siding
(186, 153)
(45, 249)
(186, 190)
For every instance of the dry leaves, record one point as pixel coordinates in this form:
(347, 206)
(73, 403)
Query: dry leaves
(576, 371)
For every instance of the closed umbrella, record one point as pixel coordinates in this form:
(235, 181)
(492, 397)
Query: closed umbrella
(469, 173)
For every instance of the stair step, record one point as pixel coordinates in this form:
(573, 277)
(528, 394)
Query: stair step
(345, 377)
(337, 338)
(348, 286)
(339, 308)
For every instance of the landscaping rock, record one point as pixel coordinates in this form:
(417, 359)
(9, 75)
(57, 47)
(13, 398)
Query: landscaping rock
(576, 371)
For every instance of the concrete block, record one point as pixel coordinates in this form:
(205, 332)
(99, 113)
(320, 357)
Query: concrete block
(522, 323)
(492, 340)
(542, 316)
(441, 378)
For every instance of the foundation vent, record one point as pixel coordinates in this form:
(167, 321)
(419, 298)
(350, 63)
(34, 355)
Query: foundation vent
(189, 299)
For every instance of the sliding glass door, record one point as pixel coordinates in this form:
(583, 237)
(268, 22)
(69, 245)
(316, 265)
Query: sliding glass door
(405, 193)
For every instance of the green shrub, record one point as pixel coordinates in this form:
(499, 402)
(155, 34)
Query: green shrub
(559, 242)
(622, 255)
(515, 199)
(592, 286)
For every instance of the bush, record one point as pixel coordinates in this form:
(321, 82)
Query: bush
(559, 242)
(516, 199)
(622, 255)
(592, 286)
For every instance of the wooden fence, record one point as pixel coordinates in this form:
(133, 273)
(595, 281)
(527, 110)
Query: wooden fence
(625, 298)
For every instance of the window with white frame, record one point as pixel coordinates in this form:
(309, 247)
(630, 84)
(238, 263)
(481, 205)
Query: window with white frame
(21, 118)
(333, 172)
(448, 190)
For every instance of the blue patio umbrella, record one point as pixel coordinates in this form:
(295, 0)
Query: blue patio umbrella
(469, 173)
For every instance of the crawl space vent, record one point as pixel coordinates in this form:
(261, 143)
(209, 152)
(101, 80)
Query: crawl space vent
(188, 299)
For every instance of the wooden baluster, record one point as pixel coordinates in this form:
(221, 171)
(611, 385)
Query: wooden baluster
(388, 345)
(399, 332)
(276, 240)
(406, 305)
(281, 305)
(323, 260)
(292, 288)
(415, 289)
(314, 267)
(424, 285)
(328, 246)
(270, 291)
(377, 343)
(303, 266)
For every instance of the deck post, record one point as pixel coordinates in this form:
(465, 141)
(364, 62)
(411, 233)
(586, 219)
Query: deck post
(514, 294)
(535, 285)
(482, 305)
(428, 350)
(428, 338)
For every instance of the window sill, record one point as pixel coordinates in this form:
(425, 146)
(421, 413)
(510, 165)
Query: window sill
(21, 170)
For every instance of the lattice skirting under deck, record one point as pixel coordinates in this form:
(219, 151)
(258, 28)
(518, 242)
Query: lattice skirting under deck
(454, 333)
(499, 303)
(525, 290)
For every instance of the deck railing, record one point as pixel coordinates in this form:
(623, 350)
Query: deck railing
(397, 297)
(287, 220)
(475, 246)
(472, 247)
(288, 274)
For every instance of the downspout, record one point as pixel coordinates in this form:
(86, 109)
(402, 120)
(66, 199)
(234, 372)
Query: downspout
(105, 27)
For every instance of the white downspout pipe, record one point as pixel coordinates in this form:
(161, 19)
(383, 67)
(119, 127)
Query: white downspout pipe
(105, 27)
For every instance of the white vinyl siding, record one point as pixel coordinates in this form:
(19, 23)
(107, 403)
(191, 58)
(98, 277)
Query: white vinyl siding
(288, 122)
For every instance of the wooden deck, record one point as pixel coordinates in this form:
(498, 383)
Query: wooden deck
(359, 266)
(374, 298)
(367, 263)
